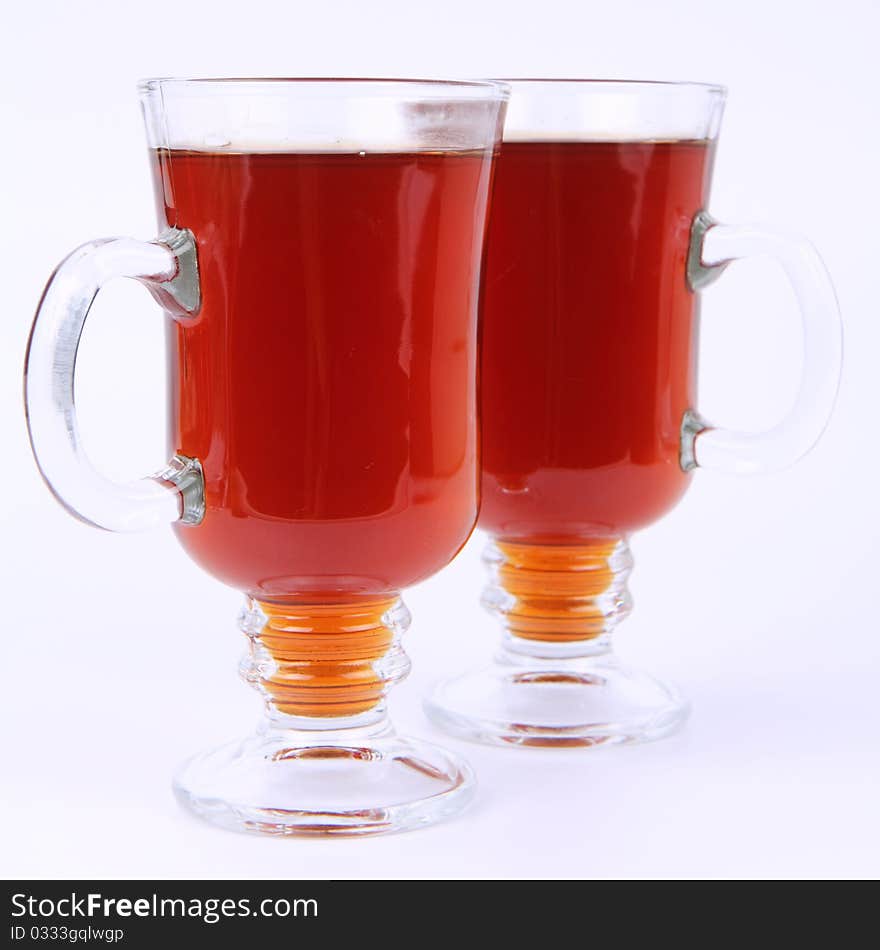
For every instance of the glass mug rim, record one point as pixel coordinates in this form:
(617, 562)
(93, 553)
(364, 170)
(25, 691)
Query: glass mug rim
(322, 114)
(360, 87)
(612, 110)
(626, 85)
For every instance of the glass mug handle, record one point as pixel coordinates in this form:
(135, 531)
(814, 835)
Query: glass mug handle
(167, 266)
(704, 445)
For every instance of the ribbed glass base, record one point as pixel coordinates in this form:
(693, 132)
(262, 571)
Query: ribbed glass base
(556, 681)
(326, 760)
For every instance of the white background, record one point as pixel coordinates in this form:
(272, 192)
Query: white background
(759, 597)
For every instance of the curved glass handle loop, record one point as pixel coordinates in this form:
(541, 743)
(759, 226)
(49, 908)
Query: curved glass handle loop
(712, 247)
(169, 268)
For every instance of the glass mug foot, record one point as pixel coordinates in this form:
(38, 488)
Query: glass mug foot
(355, 781)
(325, 760)
(555, 681)
(585, 702)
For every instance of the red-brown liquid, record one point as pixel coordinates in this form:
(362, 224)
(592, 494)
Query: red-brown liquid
(328, 384)
(589, 336)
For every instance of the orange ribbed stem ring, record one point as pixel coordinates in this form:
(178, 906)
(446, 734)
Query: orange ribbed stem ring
(323, 656)
(559, 592)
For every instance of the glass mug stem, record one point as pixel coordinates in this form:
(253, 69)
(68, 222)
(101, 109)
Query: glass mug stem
(557, 601)
(555, 681)
(325, 742)
(324, 666)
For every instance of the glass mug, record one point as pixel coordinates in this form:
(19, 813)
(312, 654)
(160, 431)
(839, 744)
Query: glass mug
(599, 249)
(320, 262)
